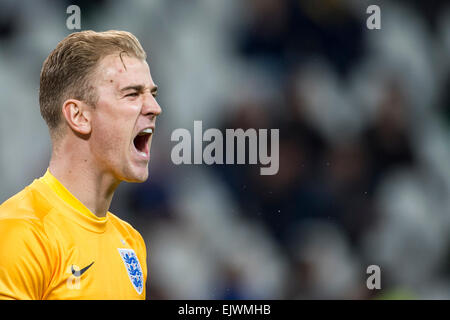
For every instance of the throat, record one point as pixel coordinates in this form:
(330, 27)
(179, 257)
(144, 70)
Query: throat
(85, 189)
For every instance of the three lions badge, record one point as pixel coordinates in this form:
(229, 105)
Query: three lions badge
(133, 267)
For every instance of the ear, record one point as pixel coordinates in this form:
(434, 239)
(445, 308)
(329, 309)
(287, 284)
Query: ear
(78, 116)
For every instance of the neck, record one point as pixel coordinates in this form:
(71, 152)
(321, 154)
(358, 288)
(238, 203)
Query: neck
(95, 189)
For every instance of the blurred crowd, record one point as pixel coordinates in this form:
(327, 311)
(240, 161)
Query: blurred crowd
(364, 120)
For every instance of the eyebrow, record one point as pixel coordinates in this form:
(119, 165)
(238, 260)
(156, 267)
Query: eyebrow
(140, 88)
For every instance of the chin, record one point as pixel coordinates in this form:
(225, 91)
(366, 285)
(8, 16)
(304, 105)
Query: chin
(140, 178)
(136, 176)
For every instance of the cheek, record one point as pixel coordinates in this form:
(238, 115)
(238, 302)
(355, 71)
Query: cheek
(113, 128)
(115, 138)
(109, 140)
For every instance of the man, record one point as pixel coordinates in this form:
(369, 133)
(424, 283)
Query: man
(57, 238)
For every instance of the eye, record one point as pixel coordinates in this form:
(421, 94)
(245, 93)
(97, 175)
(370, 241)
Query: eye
(133, 94)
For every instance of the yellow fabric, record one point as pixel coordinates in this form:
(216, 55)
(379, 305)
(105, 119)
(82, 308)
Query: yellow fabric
(65, 194)
(47, 235)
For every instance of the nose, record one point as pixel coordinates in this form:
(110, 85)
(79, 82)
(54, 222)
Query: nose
(150, 106)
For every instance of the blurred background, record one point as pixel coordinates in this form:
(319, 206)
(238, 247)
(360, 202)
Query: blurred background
(364, 120)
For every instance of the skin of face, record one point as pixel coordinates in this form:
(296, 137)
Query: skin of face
(126, 105)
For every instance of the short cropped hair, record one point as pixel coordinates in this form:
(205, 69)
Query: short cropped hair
(66, 73)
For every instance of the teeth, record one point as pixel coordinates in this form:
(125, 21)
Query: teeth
(146, 131)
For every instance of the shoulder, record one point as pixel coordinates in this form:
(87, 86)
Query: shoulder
(10, 227)
(28, 204)
(22, 232)
(18, 236)
(22, 220)
(124, 227)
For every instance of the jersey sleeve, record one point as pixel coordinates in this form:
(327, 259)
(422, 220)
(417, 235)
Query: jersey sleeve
(25, 264)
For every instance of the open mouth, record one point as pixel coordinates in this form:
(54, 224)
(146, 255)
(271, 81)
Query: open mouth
(141, 141)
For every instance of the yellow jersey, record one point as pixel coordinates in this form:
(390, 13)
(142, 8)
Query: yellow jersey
(54, 247)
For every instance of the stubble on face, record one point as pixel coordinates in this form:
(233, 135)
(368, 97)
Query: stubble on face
(117, 116)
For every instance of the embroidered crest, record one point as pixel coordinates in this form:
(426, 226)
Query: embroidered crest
(133, 268)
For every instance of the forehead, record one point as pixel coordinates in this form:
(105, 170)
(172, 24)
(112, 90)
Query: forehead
(117, 71)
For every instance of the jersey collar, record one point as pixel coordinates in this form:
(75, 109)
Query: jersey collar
(65, 195)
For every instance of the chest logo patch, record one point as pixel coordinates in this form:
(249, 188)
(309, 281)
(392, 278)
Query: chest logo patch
(133, 267)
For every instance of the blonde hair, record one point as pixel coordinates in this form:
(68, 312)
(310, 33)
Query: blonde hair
(66, 73)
